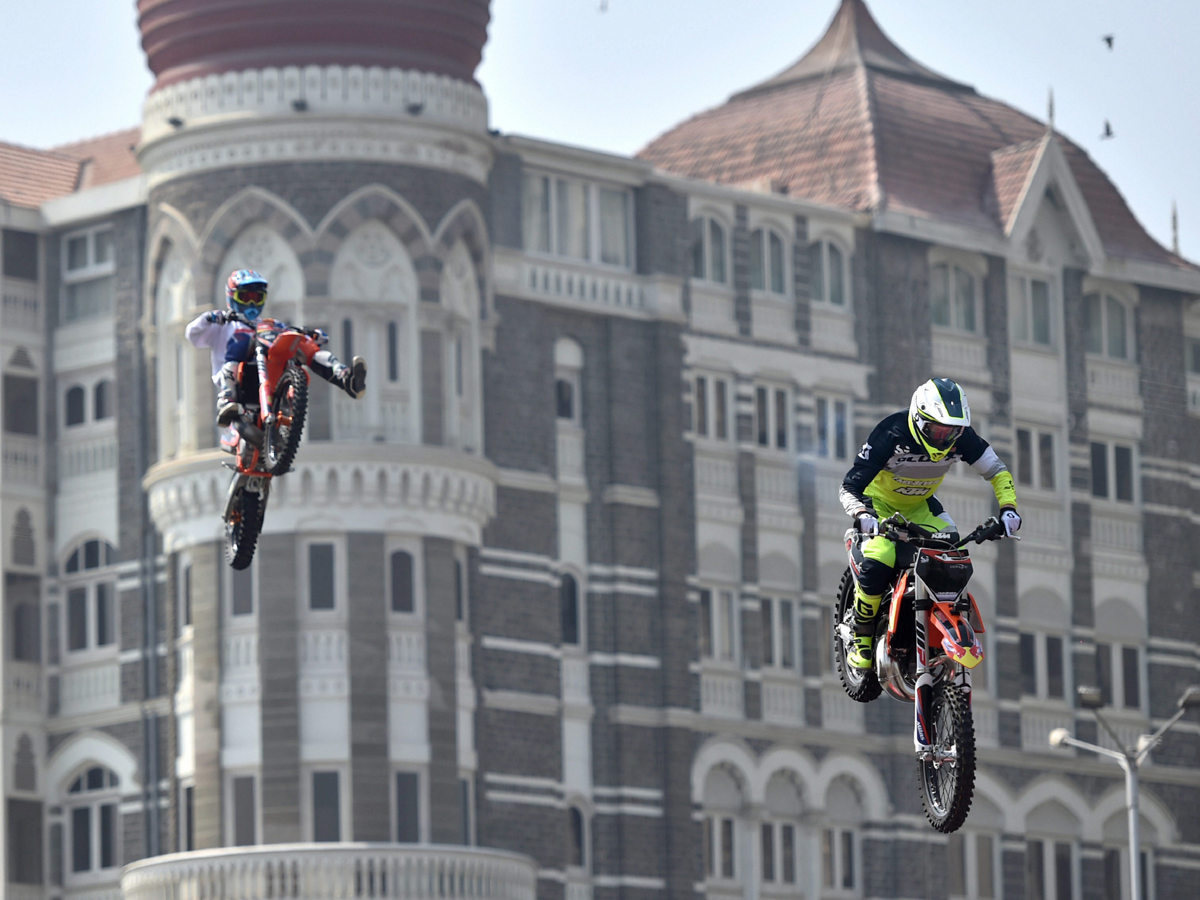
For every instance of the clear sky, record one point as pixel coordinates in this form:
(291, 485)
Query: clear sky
(612, 80)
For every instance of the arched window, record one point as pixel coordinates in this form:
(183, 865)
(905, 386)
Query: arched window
(576, 835)
(402, 582)
(568, 595)
(840, 864)
(767, 264)
(91, 813)
(91, 608)
(828, 276)
(709, 252)
(564, 398)
(75, 405)
(723, 802)
(102, 400)
(952, 297)
(1051, 852)
(1107, 326)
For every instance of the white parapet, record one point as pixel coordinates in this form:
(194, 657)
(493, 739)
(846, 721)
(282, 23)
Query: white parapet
(328, 871)
(411, 488)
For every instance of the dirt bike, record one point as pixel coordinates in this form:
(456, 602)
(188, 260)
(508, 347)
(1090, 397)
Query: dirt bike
(926, 643)
(266, 436)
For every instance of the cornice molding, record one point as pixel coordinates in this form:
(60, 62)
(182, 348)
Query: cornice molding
(292, 92)
(248, 141)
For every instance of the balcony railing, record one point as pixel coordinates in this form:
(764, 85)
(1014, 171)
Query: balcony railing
(332, 872)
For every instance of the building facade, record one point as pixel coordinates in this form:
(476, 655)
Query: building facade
(562, 583)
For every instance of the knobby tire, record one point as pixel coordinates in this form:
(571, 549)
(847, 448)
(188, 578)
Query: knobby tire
(241, 536)
(946, 792)
(282, 442)
(859, 684)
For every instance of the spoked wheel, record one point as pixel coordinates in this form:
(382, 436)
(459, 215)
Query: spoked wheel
(860, 684)
(283, 438)
(948, 779)
(241, 532)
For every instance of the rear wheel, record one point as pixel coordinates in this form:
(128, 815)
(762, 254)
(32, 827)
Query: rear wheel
(282, 439)
(948, 779)
(860, 684)
(241, 532)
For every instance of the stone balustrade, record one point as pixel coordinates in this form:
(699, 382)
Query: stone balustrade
(332, 872)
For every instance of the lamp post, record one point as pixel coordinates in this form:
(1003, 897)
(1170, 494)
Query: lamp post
(1130, 759)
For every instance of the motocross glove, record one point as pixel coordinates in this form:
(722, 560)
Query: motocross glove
(867, 523)
(319, 335)
(1012, 522)
(217, 317)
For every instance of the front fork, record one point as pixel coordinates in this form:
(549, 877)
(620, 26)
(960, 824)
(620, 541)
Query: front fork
(264, 394)
(923, 734)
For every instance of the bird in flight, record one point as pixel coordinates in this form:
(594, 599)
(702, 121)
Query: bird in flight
(1108, 39)
(1108, 132)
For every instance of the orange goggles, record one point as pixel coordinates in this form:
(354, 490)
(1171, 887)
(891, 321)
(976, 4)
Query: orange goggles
(250, 297)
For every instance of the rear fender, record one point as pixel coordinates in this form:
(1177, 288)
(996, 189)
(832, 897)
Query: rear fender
(954, 634)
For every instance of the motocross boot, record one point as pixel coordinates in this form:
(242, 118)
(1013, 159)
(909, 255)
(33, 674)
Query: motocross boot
(353, 378)
(228, 408)
(866, 607)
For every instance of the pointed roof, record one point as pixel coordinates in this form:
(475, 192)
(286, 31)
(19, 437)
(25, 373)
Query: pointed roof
(856, 123)
(852, 40)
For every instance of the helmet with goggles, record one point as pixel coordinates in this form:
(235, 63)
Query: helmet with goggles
(246, 293)
(938, 415)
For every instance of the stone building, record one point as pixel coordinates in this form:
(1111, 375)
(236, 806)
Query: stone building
(561, 584)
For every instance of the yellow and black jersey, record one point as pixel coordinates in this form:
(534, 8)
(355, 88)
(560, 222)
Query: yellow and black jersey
(893, 473)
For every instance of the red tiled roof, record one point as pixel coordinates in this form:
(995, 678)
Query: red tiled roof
(30, 177)
(108, 158)
(857, 124)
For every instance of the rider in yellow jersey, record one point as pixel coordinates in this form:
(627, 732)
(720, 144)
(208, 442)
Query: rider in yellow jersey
(898, 470)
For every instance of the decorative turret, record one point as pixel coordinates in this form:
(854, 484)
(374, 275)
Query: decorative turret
(186, 39)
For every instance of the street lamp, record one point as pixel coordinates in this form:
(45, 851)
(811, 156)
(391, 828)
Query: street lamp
(1130, 759)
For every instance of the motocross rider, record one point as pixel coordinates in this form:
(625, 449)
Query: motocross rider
(232, 342)
(897, 471)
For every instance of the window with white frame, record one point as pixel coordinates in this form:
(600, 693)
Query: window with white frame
(1112, 471)
(91, 597)
(779, 853)
(568, 369)
(1035, 458)
(768, 262)
(952, 302)
(1193, 356)
(577, 219)
(577, 842)
(322, 576)
(87, 274)
(91, 811)
(325, 797)
(779, 632)
(568, 604)
(839, 859)
(711, 407)
(1043, 666)
(971, 865)
(1049, 869)
(1119, 674)
(1116, 874)
(720, 847)
(832, 420)
(710, 250)
(829, 277)
(771, 418)
(243, 810)
(1107, 326)
(1031, 310)
(718, 625)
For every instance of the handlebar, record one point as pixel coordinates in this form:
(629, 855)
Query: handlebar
(898, 528)
(235, 316)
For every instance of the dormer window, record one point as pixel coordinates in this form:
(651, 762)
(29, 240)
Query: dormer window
(952, 297)
(767, 265)
(709, 250)
(829, 277)
(1031, 309)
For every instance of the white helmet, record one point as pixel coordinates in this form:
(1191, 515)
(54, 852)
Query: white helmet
(937, 415)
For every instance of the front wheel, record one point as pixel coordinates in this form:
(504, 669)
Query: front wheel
(948, 775)
(282, 440)
(860, 684)
(241, 531)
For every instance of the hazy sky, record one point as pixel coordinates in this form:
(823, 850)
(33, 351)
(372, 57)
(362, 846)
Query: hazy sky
(612, 80)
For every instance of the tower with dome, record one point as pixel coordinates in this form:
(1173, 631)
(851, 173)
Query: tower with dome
(548, 612)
